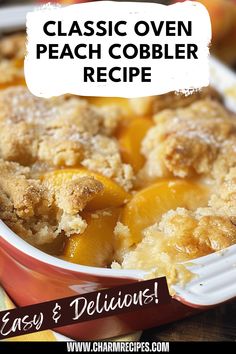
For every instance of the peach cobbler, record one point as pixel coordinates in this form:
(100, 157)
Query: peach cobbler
(136, 184)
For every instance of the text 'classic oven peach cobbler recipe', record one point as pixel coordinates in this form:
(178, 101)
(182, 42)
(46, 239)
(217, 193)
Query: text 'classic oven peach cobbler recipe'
(142, 183)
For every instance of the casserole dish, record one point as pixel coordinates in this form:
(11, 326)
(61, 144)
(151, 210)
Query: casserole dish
(31, 276)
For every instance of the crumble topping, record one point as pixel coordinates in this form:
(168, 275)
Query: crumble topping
(61, 132)
(38, 213)
(76, 194)
(103, 156)
(10, 73)
(193, 136)
(191, 141)
(155, 104)
(224, 199)
(12, 46)
(12, 52)
(38, 135)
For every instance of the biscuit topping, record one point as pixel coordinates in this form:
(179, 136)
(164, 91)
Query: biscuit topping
(149, 182)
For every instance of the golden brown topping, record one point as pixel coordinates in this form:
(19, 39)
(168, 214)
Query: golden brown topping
(189, 140)
(13, 46)
(40, 213)
(76, 194)
(62, 131)
(12, 51)
(60, 153)
(24, 193)
(18, 143)
(171, 100)
(194, 234)
(192, 136)
(185, 155)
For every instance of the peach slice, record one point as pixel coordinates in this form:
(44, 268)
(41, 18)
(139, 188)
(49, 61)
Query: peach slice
(95, 246)
(113, 194)
(148, 205)
(130, 138)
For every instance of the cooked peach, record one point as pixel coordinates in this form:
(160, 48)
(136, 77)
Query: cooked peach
(148, 205)
(113, 195)
(95, 246)
(130, 138)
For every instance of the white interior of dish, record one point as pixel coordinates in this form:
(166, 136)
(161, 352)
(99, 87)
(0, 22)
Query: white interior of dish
(221, 78)
(16, 241)
(215, 280)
